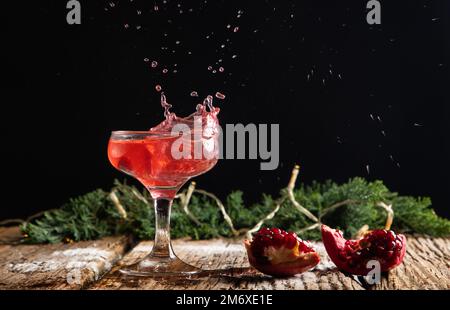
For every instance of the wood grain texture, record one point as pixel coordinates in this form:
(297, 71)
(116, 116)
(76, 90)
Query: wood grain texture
(58, 266)
(229, 267)
(426, 266)
(95, 265)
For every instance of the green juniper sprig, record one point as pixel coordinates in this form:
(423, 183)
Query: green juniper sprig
(201, 215)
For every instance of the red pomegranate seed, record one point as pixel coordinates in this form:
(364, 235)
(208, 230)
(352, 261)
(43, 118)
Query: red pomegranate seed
(290, 241)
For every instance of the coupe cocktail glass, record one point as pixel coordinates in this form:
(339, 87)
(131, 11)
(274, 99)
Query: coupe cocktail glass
(148, 157)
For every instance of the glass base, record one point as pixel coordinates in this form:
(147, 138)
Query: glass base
(152, 266)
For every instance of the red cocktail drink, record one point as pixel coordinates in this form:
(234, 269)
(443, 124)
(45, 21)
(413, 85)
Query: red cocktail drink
(163, 159)
(148, 157)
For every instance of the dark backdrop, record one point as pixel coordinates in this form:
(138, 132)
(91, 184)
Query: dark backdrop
(66, 87)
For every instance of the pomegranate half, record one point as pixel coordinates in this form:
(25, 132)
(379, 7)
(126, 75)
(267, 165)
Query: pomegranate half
(352, 256)
(278, 253)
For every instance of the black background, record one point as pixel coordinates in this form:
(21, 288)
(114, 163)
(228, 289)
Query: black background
(67, 86)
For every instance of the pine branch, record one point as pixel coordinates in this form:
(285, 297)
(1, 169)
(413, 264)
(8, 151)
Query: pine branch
(201, 215)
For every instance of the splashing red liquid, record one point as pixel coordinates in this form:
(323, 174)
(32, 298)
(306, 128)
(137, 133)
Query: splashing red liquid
(149, 156)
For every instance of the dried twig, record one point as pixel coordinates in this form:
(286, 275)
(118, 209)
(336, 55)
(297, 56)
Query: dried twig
(280, 201)
(266, 218)
(311, 227)
(117, 204)
(11, 221)
(185, 198)
(337, 205)
(390, 214)
(139, 196)
(362, 231)
(222, 209)
(290, 191)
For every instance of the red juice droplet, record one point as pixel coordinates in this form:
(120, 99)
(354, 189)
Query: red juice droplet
(219, 95)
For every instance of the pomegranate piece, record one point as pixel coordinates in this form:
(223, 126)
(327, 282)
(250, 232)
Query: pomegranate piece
(279, 253)
(351, 256)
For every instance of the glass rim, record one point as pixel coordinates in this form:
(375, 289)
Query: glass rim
(141, 133)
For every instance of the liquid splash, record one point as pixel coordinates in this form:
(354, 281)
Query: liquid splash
(205, 111)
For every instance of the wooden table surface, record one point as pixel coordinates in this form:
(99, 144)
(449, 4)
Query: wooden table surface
(94, 264)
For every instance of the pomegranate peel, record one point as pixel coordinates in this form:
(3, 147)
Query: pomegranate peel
(384, 246)
(278, 253)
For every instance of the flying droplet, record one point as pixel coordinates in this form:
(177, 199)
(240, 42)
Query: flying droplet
(234, 56)
(158, 88)
(156, 8)
(219, 95)
(221, 69)
(165, 71)
(368, 169)
(209, 68)
(236, 29)
(126, 26)
(154, 64)
(146, 59)
(194, 93)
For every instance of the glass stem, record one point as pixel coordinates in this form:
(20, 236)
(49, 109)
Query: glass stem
(162, 247)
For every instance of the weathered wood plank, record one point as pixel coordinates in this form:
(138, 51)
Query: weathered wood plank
(58, 266)
(426, 266)
(81, 265)
(231, 258)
